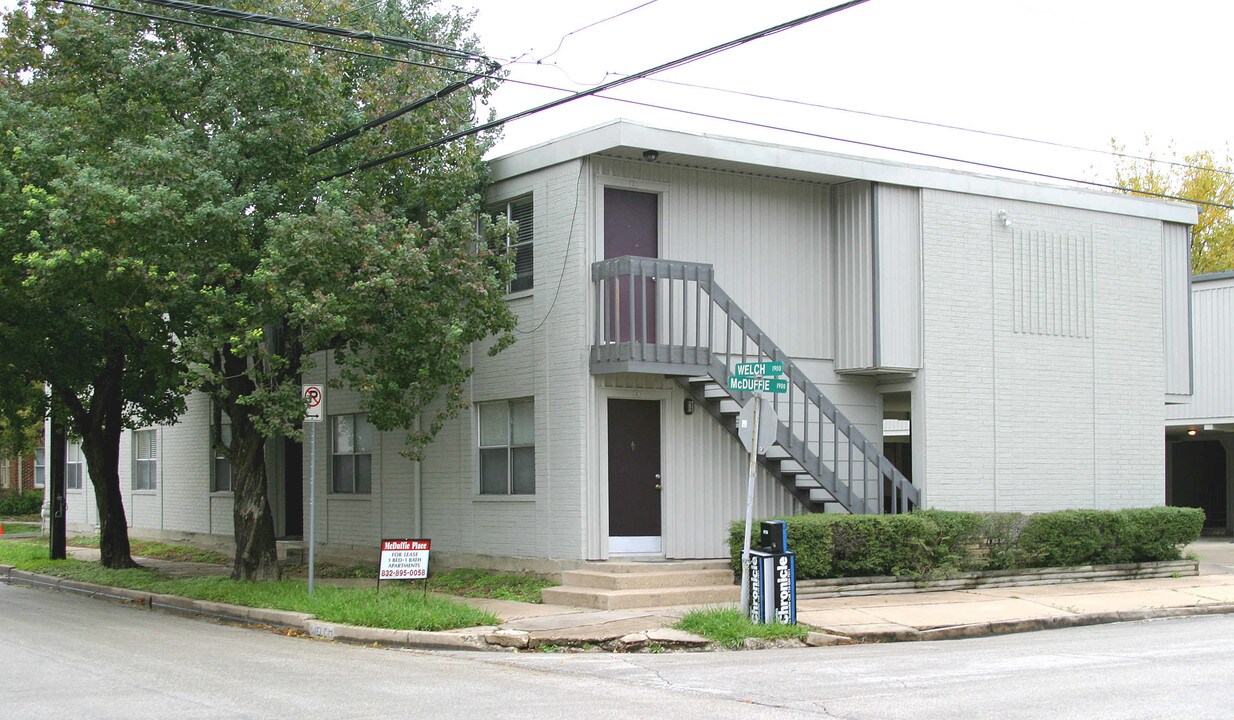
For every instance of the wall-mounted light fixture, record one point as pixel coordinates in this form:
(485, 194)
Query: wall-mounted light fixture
(1004, 218)
(651, 155)
(1191, 432)
(688, 406)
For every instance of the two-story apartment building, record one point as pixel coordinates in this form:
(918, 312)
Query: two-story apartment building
(949, 340)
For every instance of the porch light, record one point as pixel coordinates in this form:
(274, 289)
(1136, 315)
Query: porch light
(651, 155)
(688, 406)
(1191, 432)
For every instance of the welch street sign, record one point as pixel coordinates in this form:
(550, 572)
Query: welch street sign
(754, 377)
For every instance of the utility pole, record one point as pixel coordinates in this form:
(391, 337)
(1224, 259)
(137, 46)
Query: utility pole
(56, 529)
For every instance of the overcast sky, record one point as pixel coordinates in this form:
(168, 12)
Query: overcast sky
(1078, 72)
(1071, 71)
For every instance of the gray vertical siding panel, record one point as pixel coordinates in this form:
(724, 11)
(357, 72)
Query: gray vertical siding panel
(853, 211)
(767, 238)
(1176, 264)
(1213, 398)
(898, 223)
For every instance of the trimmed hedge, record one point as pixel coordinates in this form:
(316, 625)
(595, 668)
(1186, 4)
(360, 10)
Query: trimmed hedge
(935, 541)
(27, 503)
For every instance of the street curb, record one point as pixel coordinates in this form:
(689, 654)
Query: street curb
(491, 639)
(266, 617)
(1008, 627)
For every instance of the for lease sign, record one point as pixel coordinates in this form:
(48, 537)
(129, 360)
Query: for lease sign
(403, 560)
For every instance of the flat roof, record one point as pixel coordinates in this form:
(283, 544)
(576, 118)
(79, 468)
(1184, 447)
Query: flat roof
(1209, 277)
(625, 139)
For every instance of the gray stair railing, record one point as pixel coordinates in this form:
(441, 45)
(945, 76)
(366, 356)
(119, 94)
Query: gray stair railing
(670, 317)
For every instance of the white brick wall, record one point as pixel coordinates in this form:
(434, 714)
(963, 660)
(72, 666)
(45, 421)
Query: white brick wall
(1020, 421)
(182, 501)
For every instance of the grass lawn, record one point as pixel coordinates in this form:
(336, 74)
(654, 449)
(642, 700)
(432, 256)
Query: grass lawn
(12, 528)
(730, 628)
(161, 551)
(466, 582)
(398, 607)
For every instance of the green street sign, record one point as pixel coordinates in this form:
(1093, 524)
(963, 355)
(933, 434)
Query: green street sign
(757, 384)
(758, 369)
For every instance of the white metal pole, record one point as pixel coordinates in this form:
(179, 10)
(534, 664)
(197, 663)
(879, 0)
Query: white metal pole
(312, 533)
(745, 552)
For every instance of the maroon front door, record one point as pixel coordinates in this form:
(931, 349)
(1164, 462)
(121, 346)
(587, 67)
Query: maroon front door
(633, 468)
(631, 227)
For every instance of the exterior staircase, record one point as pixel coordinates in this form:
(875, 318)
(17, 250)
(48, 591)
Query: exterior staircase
(669, 317)
(615, 585)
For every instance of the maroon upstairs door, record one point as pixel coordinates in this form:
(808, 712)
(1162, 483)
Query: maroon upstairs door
(633, 468)
(631, 227)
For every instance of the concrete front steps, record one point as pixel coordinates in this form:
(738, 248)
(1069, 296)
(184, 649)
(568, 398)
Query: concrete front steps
(622, 585)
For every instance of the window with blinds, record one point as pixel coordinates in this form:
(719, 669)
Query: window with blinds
(520, 211)
(222, 461)
(145, 460)
(73, 467)
(352, 454)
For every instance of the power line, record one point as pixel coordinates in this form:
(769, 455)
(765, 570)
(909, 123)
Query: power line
(289, 41)
(591, 25)
(722, 118)
(899, 118)
(601, 88)
(397, 113)
(400, 42)
(920, 153)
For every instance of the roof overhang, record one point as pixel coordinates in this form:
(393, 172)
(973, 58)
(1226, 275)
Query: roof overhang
(624, 139)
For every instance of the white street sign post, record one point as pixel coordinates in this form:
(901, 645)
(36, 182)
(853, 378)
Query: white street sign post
(750, 377)
(314, 411)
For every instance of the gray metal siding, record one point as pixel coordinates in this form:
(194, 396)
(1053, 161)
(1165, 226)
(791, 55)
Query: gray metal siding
(898, 234)
(768, 240)
(1176, 307)
(1213, 398)
(853, 213)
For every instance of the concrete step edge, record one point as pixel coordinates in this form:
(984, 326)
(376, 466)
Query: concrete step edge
(647, 581)
(626, 599)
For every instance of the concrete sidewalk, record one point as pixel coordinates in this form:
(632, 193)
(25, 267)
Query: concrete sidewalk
(871, 618)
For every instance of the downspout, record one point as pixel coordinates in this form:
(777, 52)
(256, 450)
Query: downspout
(417, 493)
(160, 462)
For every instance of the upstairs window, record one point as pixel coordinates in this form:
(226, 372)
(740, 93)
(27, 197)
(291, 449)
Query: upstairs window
(519, 241)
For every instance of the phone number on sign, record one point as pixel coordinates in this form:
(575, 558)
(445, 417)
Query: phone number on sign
(404, 573)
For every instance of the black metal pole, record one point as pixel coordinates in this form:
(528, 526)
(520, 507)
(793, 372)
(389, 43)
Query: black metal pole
(56, 530)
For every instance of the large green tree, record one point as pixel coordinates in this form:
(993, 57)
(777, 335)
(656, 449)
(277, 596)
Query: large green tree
(1202, 175)
(92, 205)
(250, 264)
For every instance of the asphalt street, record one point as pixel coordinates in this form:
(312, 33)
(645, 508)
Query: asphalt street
(67, 656)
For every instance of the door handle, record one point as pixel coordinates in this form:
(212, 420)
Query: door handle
(658, 485)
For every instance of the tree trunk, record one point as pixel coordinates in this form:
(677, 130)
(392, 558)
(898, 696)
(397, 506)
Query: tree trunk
(114, 547)
(100, 443)
(256, 548)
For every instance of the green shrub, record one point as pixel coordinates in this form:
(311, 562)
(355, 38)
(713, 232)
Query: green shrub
(997, 539)
(933, 541)
(1094, 537)
(27, 503)
(1160, 533)
(1072, 537)
(809, 536)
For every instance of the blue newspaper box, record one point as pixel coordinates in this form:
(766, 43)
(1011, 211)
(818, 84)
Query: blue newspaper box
(773, 577)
